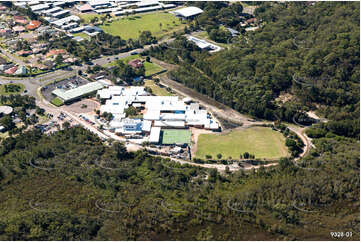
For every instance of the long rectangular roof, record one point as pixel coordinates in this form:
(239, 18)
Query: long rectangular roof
(58, 3)
(175, 124)
(173, 116)
(77, 92)
(154, 135)
(98, 2)
(66, 20)
(60, 13)
(39, 7)
(52, 10)
(145, 3)
(188, 11)
(31, 3)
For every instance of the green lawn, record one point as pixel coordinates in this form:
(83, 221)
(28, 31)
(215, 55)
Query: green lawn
(175, 136)
(130, 27)
(5, 58)
(125, 60)
(12, 89)
(157, 90)
(150, 68)
(261, 141)
(57, 102)
(88, 16)
(84, 36)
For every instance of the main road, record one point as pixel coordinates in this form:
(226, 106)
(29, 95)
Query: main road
(12, 58)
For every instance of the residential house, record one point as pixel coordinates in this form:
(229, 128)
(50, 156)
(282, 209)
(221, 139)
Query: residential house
(18, 29)
(251, 21)
(55, 52)
(21, 71)
(5, 32)
(4, 67)
(136, 63)
(41, 66)
(24, 52)
(20, 20)
(11, 70)
(33, 25)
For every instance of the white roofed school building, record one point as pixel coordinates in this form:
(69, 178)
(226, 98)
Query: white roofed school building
(188, 12)
(129, 126)
(77, 93)
(39, 7)
(66, 21)
(154, 136)
(99, 3)
(160, 112)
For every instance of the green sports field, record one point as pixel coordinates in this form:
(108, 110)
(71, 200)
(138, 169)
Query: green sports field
(159, 23)
(261, 141)
(175, 136)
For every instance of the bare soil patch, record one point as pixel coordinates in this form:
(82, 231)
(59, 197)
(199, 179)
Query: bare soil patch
(83, 106)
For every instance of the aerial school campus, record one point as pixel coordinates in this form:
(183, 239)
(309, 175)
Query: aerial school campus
(173, 120)
(124, 96)
(139, 109)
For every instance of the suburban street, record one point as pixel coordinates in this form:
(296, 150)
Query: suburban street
(12, 57)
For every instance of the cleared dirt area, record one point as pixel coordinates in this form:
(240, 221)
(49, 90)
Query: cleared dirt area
(83, 106)
(195, 135)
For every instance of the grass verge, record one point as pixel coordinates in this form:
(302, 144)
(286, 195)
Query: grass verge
(8, 89)
(57, 102)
